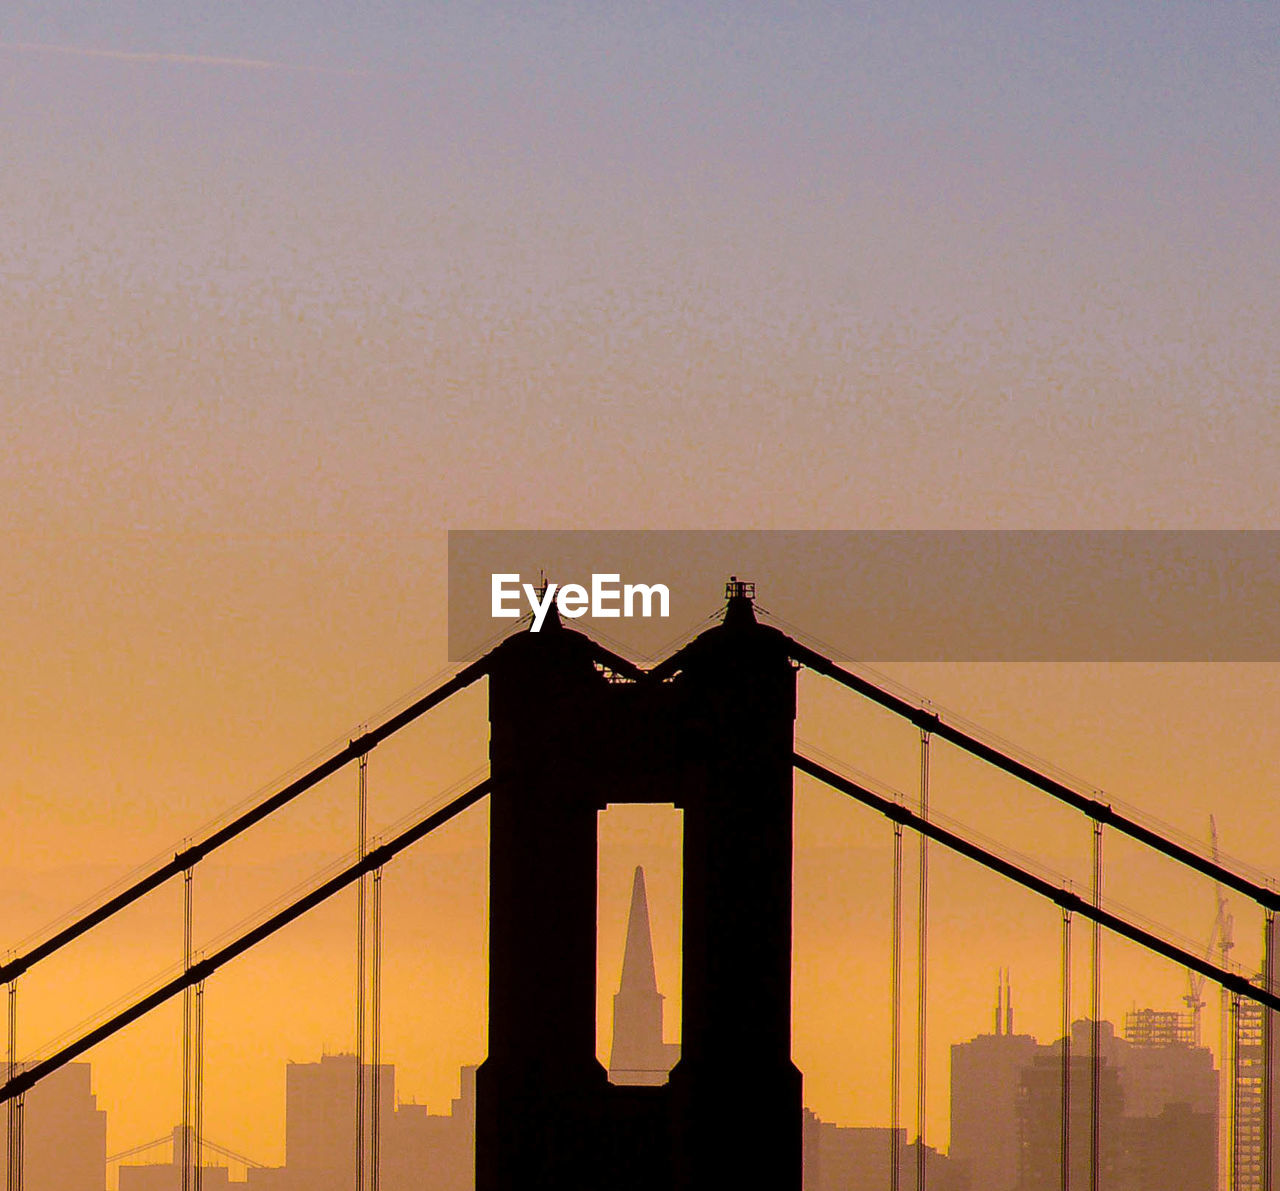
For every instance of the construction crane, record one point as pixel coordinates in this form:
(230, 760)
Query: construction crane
(1221, 936)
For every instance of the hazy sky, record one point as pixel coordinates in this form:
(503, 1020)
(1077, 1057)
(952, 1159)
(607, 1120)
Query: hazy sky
(939, 264)
(285, 293)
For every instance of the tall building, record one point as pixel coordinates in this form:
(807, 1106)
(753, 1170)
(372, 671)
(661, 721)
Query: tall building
(320, 1119)
(1244, 1086)
(1159, 1066)
(418, 1150)
(1175, 1151)
(639, 1055)
(1158, 1106)
(426, 1152)
(1169, 1133)
(64, 1132)
(1157, 1118)
(986, 1075)
(1039, 1127)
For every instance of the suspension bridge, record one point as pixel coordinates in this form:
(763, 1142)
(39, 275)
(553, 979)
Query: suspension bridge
(574, 727)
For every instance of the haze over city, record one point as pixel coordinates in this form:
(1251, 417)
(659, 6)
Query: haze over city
(1162, 1121)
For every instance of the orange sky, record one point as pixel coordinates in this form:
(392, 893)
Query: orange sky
(205, 725)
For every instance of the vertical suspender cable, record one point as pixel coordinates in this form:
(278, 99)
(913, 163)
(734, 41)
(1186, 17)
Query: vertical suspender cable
(375, 1047)
(1065, 1173)
(20, 1143)
(14, 1139)
(1095, 1025)
(197, 1098)
(362, 891)
(922, 972)
(188, 1012)
(11, 1069)
(895, 1020)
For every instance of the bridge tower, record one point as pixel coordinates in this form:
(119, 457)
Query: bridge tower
(710, 730)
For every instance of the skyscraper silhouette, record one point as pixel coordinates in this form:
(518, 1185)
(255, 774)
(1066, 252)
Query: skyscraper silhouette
(639, 1056)
(986, 1075)
(320, 1119)
(64, 1132)
(1157, 1110)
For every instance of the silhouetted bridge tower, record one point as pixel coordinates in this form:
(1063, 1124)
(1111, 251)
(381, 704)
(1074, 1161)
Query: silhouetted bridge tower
(709, 730)
(574, 727)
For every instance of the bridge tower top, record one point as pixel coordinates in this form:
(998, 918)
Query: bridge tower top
(742, 602)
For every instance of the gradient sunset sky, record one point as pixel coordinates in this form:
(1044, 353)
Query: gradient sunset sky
(288, 291)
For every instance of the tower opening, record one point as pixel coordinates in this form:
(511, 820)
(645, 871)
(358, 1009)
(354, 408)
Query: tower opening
(638, 942)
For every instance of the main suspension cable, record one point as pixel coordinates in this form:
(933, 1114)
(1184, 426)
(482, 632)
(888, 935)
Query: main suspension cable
(208, 964)
(194, 853)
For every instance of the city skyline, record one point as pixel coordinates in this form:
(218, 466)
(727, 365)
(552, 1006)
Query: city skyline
(653, 834)
(1155, 1072)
